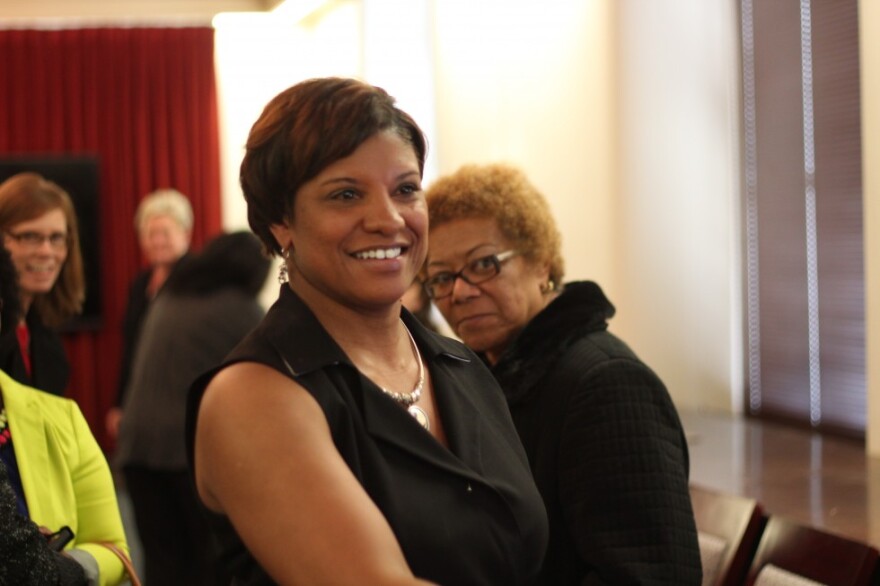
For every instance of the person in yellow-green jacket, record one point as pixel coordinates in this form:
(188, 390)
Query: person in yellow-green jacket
(57, 470)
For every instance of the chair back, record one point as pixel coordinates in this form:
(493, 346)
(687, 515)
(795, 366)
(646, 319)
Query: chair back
(789, 551)
(729, 528)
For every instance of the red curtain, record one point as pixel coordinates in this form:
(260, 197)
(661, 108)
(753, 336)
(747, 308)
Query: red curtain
(143, 101)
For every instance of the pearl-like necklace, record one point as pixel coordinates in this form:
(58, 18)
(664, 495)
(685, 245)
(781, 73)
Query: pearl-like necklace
(410, 399)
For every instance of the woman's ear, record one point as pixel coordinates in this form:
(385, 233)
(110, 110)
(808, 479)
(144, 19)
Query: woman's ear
(282, 235)
(543, 272)
(542, 269)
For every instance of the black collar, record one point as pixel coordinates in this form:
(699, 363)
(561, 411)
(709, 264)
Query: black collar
(306, 346)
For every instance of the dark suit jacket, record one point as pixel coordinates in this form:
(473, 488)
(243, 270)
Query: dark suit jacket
(136, 308)
(49, 366)
(469, 515)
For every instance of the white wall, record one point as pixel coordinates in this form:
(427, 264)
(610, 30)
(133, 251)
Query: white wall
(625, 114)
(677, 232)
(397, 56)
(869, 39)
(532, 84)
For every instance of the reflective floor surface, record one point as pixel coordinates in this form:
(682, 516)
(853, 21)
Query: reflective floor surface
(820, 480)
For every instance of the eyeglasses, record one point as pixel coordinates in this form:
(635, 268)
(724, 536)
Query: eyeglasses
(476, 271)
(29, 239)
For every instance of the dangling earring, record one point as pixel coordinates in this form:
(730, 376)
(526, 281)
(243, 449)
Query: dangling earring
(548, 287)
(282, 270)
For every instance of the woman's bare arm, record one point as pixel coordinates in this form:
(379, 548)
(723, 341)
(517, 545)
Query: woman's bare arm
(264, 457)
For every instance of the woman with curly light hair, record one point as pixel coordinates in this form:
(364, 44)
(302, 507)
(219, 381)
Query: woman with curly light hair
(603, 438)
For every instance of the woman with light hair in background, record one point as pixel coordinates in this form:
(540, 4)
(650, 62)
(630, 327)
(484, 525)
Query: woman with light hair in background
(39, 229)
(603, 437)
(163, 221)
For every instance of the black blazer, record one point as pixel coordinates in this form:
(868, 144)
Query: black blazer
(467, 515)
(136, 308)
(49, 366)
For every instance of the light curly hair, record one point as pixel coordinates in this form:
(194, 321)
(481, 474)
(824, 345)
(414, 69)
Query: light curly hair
(504, 193)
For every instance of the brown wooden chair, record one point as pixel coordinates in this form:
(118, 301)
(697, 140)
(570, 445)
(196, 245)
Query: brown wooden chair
(729, 528)
(790, 553)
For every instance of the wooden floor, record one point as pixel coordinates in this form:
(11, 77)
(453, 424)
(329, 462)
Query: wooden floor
(823, 481)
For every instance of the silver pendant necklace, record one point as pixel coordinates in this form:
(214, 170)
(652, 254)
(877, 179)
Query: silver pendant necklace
(409, 400)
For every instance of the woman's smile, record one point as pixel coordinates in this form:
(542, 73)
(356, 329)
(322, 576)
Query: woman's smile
(380, 253)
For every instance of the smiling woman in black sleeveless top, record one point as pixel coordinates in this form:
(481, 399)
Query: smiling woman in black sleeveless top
(342, 442)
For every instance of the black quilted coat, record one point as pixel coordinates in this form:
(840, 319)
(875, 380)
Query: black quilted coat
(606, 447)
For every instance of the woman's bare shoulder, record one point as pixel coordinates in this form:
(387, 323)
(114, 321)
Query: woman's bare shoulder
(259, 398)
(246, 409)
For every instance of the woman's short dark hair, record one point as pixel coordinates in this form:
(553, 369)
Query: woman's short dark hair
(27, 196)
(304, 129)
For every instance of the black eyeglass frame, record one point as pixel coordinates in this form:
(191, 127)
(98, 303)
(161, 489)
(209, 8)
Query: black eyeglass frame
(56, 240)
(495, 259)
